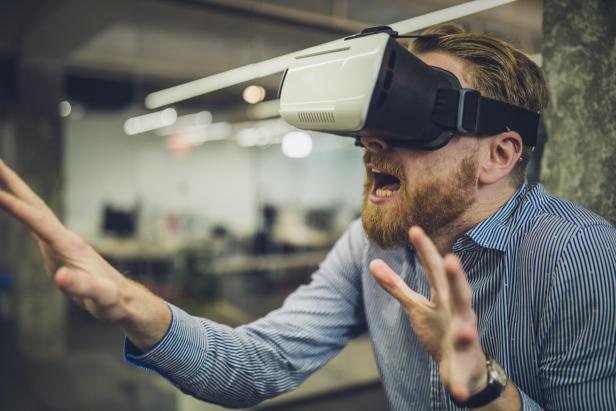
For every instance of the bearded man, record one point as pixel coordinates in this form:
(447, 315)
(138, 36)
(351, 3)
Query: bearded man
(518, 314)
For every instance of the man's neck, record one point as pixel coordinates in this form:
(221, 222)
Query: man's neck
(489, 199)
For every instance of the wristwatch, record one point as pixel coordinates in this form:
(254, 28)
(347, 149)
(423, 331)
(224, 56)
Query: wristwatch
(497, 380)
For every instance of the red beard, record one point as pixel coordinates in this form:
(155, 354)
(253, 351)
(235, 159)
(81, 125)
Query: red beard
(432, 205)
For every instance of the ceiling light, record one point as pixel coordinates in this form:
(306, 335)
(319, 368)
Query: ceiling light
(64, 108)
(253, 94)
(261, 133)
(151, 121)
(196, 135)
(198, 120)
(248, 137)
(297, 144)
(265, 68)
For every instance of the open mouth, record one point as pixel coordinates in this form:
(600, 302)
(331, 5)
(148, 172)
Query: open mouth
(384, 185)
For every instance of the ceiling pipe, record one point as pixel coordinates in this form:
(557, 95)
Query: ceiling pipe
(268, 67)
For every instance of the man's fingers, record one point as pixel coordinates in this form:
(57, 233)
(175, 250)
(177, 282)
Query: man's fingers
(394, 285)
(432, 261)
(41, 223)
(460, 292)
(17, 186)
(81, 285)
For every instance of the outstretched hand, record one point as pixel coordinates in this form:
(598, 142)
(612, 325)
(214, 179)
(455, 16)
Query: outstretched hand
(446, 324)
(75, 267)
(79, 270)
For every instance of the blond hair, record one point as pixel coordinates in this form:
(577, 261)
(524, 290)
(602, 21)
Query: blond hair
(495, 68)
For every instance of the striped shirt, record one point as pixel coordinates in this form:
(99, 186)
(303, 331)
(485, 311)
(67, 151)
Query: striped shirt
(543, 274)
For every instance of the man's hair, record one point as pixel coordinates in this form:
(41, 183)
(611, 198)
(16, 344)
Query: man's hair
(495, 68)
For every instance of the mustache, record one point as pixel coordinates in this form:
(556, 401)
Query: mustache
(385, 164)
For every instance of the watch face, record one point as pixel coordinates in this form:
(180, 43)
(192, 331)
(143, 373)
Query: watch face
(496, 374)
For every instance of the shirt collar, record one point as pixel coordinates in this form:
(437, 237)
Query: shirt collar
(493, 232)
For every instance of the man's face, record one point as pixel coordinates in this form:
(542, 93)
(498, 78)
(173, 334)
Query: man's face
(406, 187)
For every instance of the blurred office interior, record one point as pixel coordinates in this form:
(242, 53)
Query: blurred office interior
(212, 201)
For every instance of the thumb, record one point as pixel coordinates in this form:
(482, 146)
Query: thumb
(394, 284)
(80, 284)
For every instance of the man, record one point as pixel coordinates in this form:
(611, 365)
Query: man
(518, 314)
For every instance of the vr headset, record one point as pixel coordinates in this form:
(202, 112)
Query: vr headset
(370, 85)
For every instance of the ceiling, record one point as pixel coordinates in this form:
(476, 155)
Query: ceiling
(152, 44)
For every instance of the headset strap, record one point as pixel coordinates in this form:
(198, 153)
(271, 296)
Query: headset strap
(468, 112)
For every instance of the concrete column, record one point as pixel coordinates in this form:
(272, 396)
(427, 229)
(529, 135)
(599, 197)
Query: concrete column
(31, 141)
(579, 54)
(32, 144)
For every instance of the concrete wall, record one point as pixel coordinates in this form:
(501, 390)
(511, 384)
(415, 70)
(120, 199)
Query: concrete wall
(579, 55)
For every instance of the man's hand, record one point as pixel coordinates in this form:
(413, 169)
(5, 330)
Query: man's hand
(80, 271)
(446, 325)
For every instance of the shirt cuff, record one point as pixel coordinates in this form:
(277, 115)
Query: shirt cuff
(528, 404)
(179, 354)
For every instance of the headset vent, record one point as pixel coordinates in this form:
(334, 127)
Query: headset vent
(316, 117)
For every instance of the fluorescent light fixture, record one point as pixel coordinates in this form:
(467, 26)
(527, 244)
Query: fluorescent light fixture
(197, 120)
(266, 109)
(257, 136)
(296, 144)
(249, 137)
(151, 121)
(265, 68)
(196, 135)
(261, 133)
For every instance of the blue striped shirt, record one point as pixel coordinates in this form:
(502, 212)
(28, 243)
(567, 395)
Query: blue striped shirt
(543, 274)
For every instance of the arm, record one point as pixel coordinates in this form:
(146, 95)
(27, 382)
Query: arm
(209, 360)
(243, 366)
(446, 325)
(577, 338)
(81, 272)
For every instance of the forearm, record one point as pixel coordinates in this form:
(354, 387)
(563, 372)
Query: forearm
(242, 366)
(219, 364)
(146, 317)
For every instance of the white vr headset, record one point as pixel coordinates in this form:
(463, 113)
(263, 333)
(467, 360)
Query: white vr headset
(370, 85)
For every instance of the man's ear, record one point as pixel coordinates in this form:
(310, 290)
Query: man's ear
(505, 150)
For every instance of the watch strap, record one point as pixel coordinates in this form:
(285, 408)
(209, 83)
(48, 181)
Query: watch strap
(491, 392)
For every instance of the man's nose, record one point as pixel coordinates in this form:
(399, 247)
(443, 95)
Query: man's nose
(374, 144)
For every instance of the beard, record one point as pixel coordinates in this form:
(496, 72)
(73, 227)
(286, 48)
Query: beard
(432, 205)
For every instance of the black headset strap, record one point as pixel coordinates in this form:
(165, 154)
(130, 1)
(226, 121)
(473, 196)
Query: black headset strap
(467, 111)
